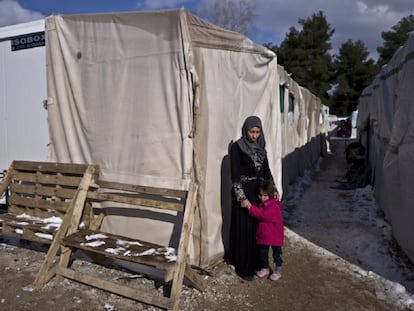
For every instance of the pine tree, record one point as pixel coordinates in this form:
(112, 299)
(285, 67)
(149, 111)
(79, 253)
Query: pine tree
(394, 38)
(305, 54)
(354, 71)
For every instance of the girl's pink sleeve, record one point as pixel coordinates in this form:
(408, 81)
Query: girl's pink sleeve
(268, 214)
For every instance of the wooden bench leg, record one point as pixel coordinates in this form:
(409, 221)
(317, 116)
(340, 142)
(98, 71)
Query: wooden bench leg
(66, 254)
(96, 221)
(70, 221)
(189, 273)
(46, 271)
(183, 247)
(194, 278)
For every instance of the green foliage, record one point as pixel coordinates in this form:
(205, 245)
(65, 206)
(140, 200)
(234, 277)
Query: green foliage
(394, 38)
(353, 72)
(305, 54)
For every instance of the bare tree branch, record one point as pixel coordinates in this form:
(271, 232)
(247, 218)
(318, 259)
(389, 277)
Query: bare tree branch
(235, 15)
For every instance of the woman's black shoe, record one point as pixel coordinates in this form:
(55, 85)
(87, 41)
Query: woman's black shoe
(248, 278)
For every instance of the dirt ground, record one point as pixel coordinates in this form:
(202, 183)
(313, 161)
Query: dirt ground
(313, 279)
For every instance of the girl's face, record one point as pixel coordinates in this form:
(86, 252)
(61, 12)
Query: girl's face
(253, 134)
(263, 196)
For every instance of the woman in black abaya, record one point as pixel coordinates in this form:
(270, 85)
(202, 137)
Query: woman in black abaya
(249, 165)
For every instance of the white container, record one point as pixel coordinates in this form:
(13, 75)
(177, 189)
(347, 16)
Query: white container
(23, 120)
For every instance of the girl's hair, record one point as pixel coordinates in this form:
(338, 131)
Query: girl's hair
(268, 187)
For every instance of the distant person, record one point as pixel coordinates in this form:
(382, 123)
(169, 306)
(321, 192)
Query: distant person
(269, 230)
(249, 165)
(341, 128)
(347, 128)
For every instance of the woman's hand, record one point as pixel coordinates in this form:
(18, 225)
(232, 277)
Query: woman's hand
(246, 203)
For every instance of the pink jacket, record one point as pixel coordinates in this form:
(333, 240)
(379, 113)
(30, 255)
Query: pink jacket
(270, 228)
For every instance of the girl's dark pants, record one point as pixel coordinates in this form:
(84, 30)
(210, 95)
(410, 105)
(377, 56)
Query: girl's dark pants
(264, 255)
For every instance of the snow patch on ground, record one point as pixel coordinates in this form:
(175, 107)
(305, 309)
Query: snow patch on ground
(347, 228)
(386, 290)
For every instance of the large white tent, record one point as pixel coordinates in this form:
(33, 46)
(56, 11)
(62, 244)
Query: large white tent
(385, 119)
(156, 98)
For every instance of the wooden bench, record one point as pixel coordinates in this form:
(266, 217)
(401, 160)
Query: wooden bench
(173, 262)
(39, 196)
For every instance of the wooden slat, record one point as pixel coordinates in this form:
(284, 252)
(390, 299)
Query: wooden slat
(28, 227)
(28, 202)
(19, 219)
(64, 193)
(158, 261)
(47, 179)
(37, 212)
(27, 234)
(25, 237)
(127, 199)
(142, 189)
(112, 287)
(32, 227)
(67, 168)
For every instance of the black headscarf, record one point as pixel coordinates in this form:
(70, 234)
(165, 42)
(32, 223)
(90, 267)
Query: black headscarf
(255, 150)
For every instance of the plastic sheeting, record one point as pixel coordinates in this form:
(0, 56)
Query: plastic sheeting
(385, 120)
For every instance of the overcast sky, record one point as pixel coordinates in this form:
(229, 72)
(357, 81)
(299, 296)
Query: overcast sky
(351, 19)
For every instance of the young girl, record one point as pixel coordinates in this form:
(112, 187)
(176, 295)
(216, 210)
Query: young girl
(269, 230)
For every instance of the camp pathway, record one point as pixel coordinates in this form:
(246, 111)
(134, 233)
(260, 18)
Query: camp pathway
(348, 223)
(314, 278)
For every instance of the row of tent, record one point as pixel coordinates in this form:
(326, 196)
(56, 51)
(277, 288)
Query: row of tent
(157, 98)
(386, 127)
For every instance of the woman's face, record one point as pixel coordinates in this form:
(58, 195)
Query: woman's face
(253, 134)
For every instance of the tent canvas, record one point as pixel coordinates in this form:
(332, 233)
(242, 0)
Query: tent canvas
(156, 98)
(385, 115)
(304, 128)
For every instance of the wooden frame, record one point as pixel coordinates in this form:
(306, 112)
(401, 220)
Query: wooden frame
(41, 194)
(70, 238)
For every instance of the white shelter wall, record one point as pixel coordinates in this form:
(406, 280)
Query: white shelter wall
(23, 125)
